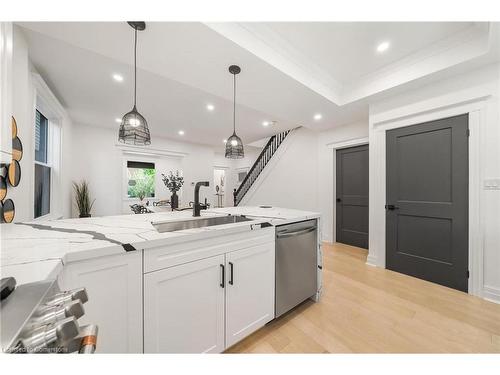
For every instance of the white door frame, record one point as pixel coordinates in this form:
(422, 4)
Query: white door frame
(476, 108)
(334, 147)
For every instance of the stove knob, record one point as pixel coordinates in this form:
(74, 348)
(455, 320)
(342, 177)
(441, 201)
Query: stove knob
(67, 296)
(47, 337)
(52, 313)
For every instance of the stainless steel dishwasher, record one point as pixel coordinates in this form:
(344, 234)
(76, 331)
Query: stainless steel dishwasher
(296, 264)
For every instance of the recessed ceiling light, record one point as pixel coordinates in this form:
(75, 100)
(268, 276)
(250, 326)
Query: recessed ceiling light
(118, 120)
(318, 116)
(210, 107)
(266, 123)
(224, 140)
(118, 77)
(384, 46)
(181, 132)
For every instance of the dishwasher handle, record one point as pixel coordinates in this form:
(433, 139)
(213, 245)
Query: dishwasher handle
(286, 233)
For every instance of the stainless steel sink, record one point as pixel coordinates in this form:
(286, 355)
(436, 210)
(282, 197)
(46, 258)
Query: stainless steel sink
(173, 226)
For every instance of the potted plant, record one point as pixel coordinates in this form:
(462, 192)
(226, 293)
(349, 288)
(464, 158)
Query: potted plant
(82, 198)
(141, 194)
(173, 182)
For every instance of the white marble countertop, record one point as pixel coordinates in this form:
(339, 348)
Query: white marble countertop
(55, 242)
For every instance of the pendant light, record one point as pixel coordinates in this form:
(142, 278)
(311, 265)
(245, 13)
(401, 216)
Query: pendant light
(134, 127)
(234, 145)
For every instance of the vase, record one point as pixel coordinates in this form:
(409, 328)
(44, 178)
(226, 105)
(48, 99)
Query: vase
(174, 200)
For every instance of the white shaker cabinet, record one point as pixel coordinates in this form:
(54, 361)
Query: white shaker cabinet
(207, 304)
(184, 308)
(249, 291)
(114, 287)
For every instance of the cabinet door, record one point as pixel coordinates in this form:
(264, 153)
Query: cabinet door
(114, 286)
(249, 291)
(184, 308)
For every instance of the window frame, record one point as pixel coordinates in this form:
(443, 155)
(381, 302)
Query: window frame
(47, 104)
(137, 160)
(129, 156)
(48, 164)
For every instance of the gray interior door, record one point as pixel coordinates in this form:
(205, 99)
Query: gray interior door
(352, 196)
(427, 201)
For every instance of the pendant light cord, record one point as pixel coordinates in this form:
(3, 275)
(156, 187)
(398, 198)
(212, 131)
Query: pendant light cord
(135, 67)
(234, 103)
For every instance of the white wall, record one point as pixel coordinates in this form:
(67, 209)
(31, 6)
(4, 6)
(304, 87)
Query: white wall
(476, 92)
(327, 141)
(102, 166)
(23, 108)
(291, 177)
(232, 167)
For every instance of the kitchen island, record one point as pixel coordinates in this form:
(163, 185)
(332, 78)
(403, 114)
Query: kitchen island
(158, 292)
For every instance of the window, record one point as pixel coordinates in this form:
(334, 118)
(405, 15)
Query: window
(42, 166)
(140, 179)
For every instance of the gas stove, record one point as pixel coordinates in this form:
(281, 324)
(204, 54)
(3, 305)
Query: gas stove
(39, 318)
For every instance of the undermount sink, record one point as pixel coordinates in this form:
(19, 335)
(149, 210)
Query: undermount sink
(172, 226)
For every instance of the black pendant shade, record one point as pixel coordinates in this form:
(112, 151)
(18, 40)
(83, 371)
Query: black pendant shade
(134, 127)
(234, 145)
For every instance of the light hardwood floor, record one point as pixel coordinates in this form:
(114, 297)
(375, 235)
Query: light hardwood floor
(371, 310)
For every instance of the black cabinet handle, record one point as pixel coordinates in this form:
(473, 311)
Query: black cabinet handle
(223, 276)
(339, 200)
(391, 207)
(231, 266)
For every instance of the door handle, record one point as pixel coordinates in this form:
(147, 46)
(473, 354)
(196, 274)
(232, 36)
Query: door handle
(231, 266)
(297, 233)
(223, 276)
(391, 207)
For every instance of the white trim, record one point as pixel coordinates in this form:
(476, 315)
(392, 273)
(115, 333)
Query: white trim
(221, 167)
(47, 103)
(476, 108)
(491, 294)
(334, 146)
(349, 143)
(148, 152)
(6, 53)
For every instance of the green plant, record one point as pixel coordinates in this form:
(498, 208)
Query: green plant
(173, 182)
(82, 198)
(141, 183)
(141, 194)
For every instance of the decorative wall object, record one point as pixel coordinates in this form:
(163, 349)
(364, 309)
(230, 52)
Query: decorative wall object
(17, 149)
(3, 188)
(14, 173)
(7, 211)
(10, 173)
(13, 124)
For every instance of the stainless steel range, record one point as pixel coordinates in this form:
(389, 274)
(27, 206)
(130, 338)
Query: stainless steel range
(39, 318)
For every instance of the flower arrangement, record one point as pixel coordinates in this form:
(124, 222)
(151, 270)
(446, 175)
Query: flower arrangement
(173, 182)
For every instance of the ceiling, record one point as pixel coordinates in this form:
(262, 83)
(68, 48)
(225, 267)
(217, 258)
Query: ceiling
(290, 71)
(347, 50)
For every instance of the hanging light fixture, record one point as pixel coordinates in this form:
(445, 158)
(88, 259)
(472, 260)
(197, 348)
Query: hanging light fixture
(234, 145)
(134, 127)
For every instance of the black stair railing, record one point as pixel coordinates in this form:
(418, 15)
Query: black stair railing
(264, 157)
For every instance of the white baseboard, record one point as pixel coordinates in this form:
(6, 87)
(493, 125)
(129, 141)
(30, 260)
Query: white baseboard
(371, 261)
(327, 238)
(491, 294)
